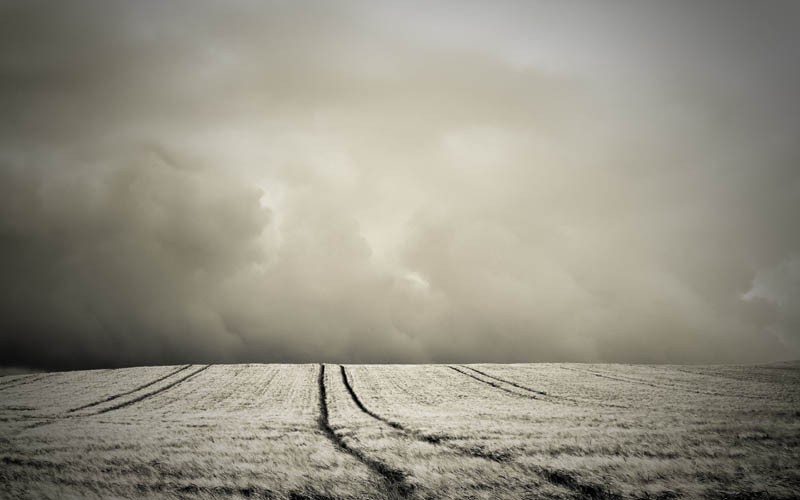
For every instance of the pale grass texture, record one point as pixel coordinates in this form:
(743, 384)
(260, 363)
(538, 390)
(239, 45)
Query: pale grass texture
(410, 431)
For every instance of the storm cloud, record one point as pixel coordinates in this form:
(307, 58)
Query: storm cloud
(398, 182)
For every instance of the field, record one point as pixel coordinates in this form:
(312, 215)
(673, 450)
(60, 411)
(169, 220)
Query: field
(403, 431)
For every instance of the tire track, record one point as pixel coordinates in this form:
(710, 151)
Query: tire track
(395, 481)
(220, 393)
(495, 385)
(557, 477)
(11, 379)
(520, 386)
(126, 393)
(738, 377)
(670, 387)
(151, 393)
(396, 425)
(360, 405)
(549, 398)
(54, 418)
(23, 381)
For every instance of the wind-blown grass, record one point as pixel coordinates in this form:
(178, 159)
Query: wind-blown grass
(413, 431)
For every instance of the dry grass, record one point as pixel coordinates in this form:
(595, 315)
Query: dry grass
(427, 431)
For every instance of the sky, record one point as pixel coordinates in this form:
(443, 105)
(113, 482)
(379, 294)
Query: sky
(405, 182)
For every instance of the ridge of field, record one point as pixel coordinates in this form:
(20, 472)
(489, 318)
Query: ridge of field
(403, 431)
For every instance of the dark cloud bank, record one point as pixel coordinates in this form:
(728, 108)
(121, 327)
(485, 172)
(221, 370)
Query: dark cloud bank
(366, 182)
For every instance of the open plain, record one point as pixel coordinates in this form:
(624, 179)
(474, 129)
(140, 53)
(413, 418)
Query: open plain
(403, 431)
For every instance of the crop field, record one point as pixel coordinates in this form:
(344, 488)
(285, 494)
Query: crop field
(403, 431)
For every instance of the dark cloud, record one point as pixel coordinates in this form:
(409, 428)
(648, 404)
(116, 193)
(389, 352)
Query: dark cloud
(397, 182)
(119, 264)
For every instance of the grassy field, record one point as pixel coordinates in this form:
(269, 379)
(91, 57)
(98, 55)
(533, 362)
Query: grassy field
(409, 431)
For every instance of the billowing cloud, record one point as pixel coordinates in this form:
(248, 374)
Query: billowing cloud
(402, 182)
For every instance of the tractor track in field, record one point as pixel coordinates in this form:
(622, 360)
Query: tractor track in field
(494, 384)
(727, 376)
(520, 386)
(554, 476)
(509, 382)
(670, 387)
(151, 393)
(395, 425)
(126, 393)
(12, 379)
(393, 479)
(360, 405)
(540, 395)
(53, 418)
(23, 381)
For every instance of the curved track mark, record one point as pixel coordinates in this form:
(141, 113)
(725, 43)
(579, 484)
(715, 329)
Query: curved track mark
(12, 379)
(396, 425)
(361, 406)
(23, 381)
(497, 386)
(671, 387)
(392, 478)
(548, 398)
(115, 396)
(151, 393)
(701, 372)
(557, 477)
(520, 386)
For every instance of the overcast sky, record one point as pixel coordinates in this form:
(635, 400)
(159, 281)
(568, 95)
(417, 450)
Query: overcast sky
(398, 182)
